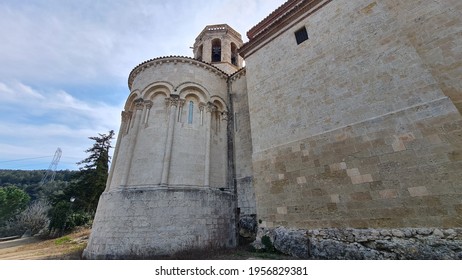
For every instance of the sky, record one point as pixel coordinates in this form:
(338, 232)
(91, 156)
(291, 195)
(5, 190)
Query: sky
(64, 65)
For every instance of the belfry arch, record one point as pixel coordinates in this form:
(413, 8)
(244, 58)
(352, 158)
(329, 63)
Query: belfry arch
(216, 50)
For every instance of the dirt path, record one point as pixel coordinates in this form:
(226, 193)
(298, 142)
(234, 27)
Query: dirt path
(70, 247)
(67, 247)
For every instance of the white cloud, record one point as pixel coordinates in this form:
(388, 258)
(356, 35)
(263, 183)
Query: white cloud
(38, 123)
(101, 41)
(56, 54)
(18, 92)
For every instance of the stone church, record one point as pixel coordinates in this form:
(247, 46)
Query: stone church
(346, 118)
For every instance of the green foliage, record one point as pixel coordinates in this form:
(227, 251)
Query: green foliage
(266, 241)
(84, 186)
(76, 204)
(79, 219)
(13, 200)
(59, 215)
(63, 217)
(62, 240)
(93, 176)
(29, 181)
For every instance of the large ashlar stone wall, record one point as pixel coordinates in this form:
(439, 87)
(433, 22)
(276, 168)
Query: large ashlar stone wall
(356, 127)
(242, 145)
(152, 222)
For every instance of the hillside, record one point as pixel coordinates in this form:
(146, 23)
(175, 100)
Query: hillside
(29, 181)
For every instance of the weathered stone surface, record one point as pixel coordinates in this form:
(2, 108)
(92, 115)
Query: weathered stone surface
(358, 126)
(248, 228)
(366, 244)
(149, 222)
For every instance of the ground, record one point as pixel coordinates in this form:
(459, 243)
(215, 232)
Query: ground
(70, 247)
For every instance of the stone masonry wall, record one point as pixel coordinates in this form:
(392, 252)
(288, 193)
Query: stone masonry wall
(434, 29)
(152, 222)
(351, 128)
(242, 146)
(397, 170)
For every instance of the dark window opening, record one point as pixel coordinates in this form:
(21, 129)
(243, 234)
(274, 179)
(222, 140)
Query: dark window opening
(216, 50)
(301, 35)
(234, 60)
(234, 54)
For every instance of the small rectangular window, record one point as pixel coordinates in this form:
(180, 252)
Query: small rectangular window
(301, 35)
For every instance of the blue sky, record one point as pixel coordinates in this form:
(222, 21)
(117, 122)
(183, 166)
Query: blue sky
(64, 65)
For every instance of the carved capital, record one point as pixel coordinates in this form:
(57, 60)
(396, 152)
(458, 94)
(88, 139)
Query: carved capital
(148, 104)
(139, 103)
(202, 106)
(211, 108)
(173, 100)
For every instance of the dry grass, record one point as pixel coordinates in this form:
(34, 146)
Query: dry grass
(68, 247)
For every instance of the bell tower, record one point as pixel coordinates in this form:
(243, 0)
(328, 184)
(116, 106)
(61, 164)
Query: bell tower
(218, 44)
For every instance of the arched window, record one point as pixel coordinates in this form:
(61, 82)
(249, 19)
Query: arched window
(190, 112)
(234, 58)
(216, 50)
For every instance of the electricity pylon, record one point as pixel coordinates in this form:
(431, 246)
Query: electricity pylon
(51, 171)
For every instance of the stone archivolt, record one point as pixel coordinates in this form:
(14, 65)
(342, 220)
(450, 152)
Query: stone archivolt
(174, 59)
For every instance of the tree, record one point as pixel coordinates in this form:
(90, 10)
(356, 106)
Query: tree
(94, 173)
(59, 215)
(77, 203)
(13, 200)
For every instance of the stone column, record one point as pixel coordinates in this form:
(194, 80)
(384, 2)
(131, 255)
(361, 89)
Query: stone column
(172, 102)
(133, 137)
(148, 105)
(224, 130)
(201, 109)
(208, 122)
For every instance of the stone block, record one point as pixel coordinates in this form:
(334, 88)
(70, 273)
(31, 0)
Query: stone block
(418, 191)
(301, 180)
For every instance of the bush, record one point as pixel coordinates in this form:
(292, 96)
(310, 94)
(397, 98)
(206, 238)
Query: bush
(79, 219)
(63, 218)
(13, 200)
(269, 247)
(59, 216)
(34, 219)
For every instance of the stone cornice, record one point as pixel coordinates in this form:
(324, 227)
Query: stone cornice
(173, 59)
(276, 14)
(218, 29)
(239, 73)
(279, 21)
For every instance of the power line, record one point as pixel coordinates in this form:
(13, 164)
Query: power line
(23, 159)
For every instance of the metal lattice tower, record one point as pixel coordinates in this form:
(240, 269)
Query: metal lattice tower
(51, 171)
